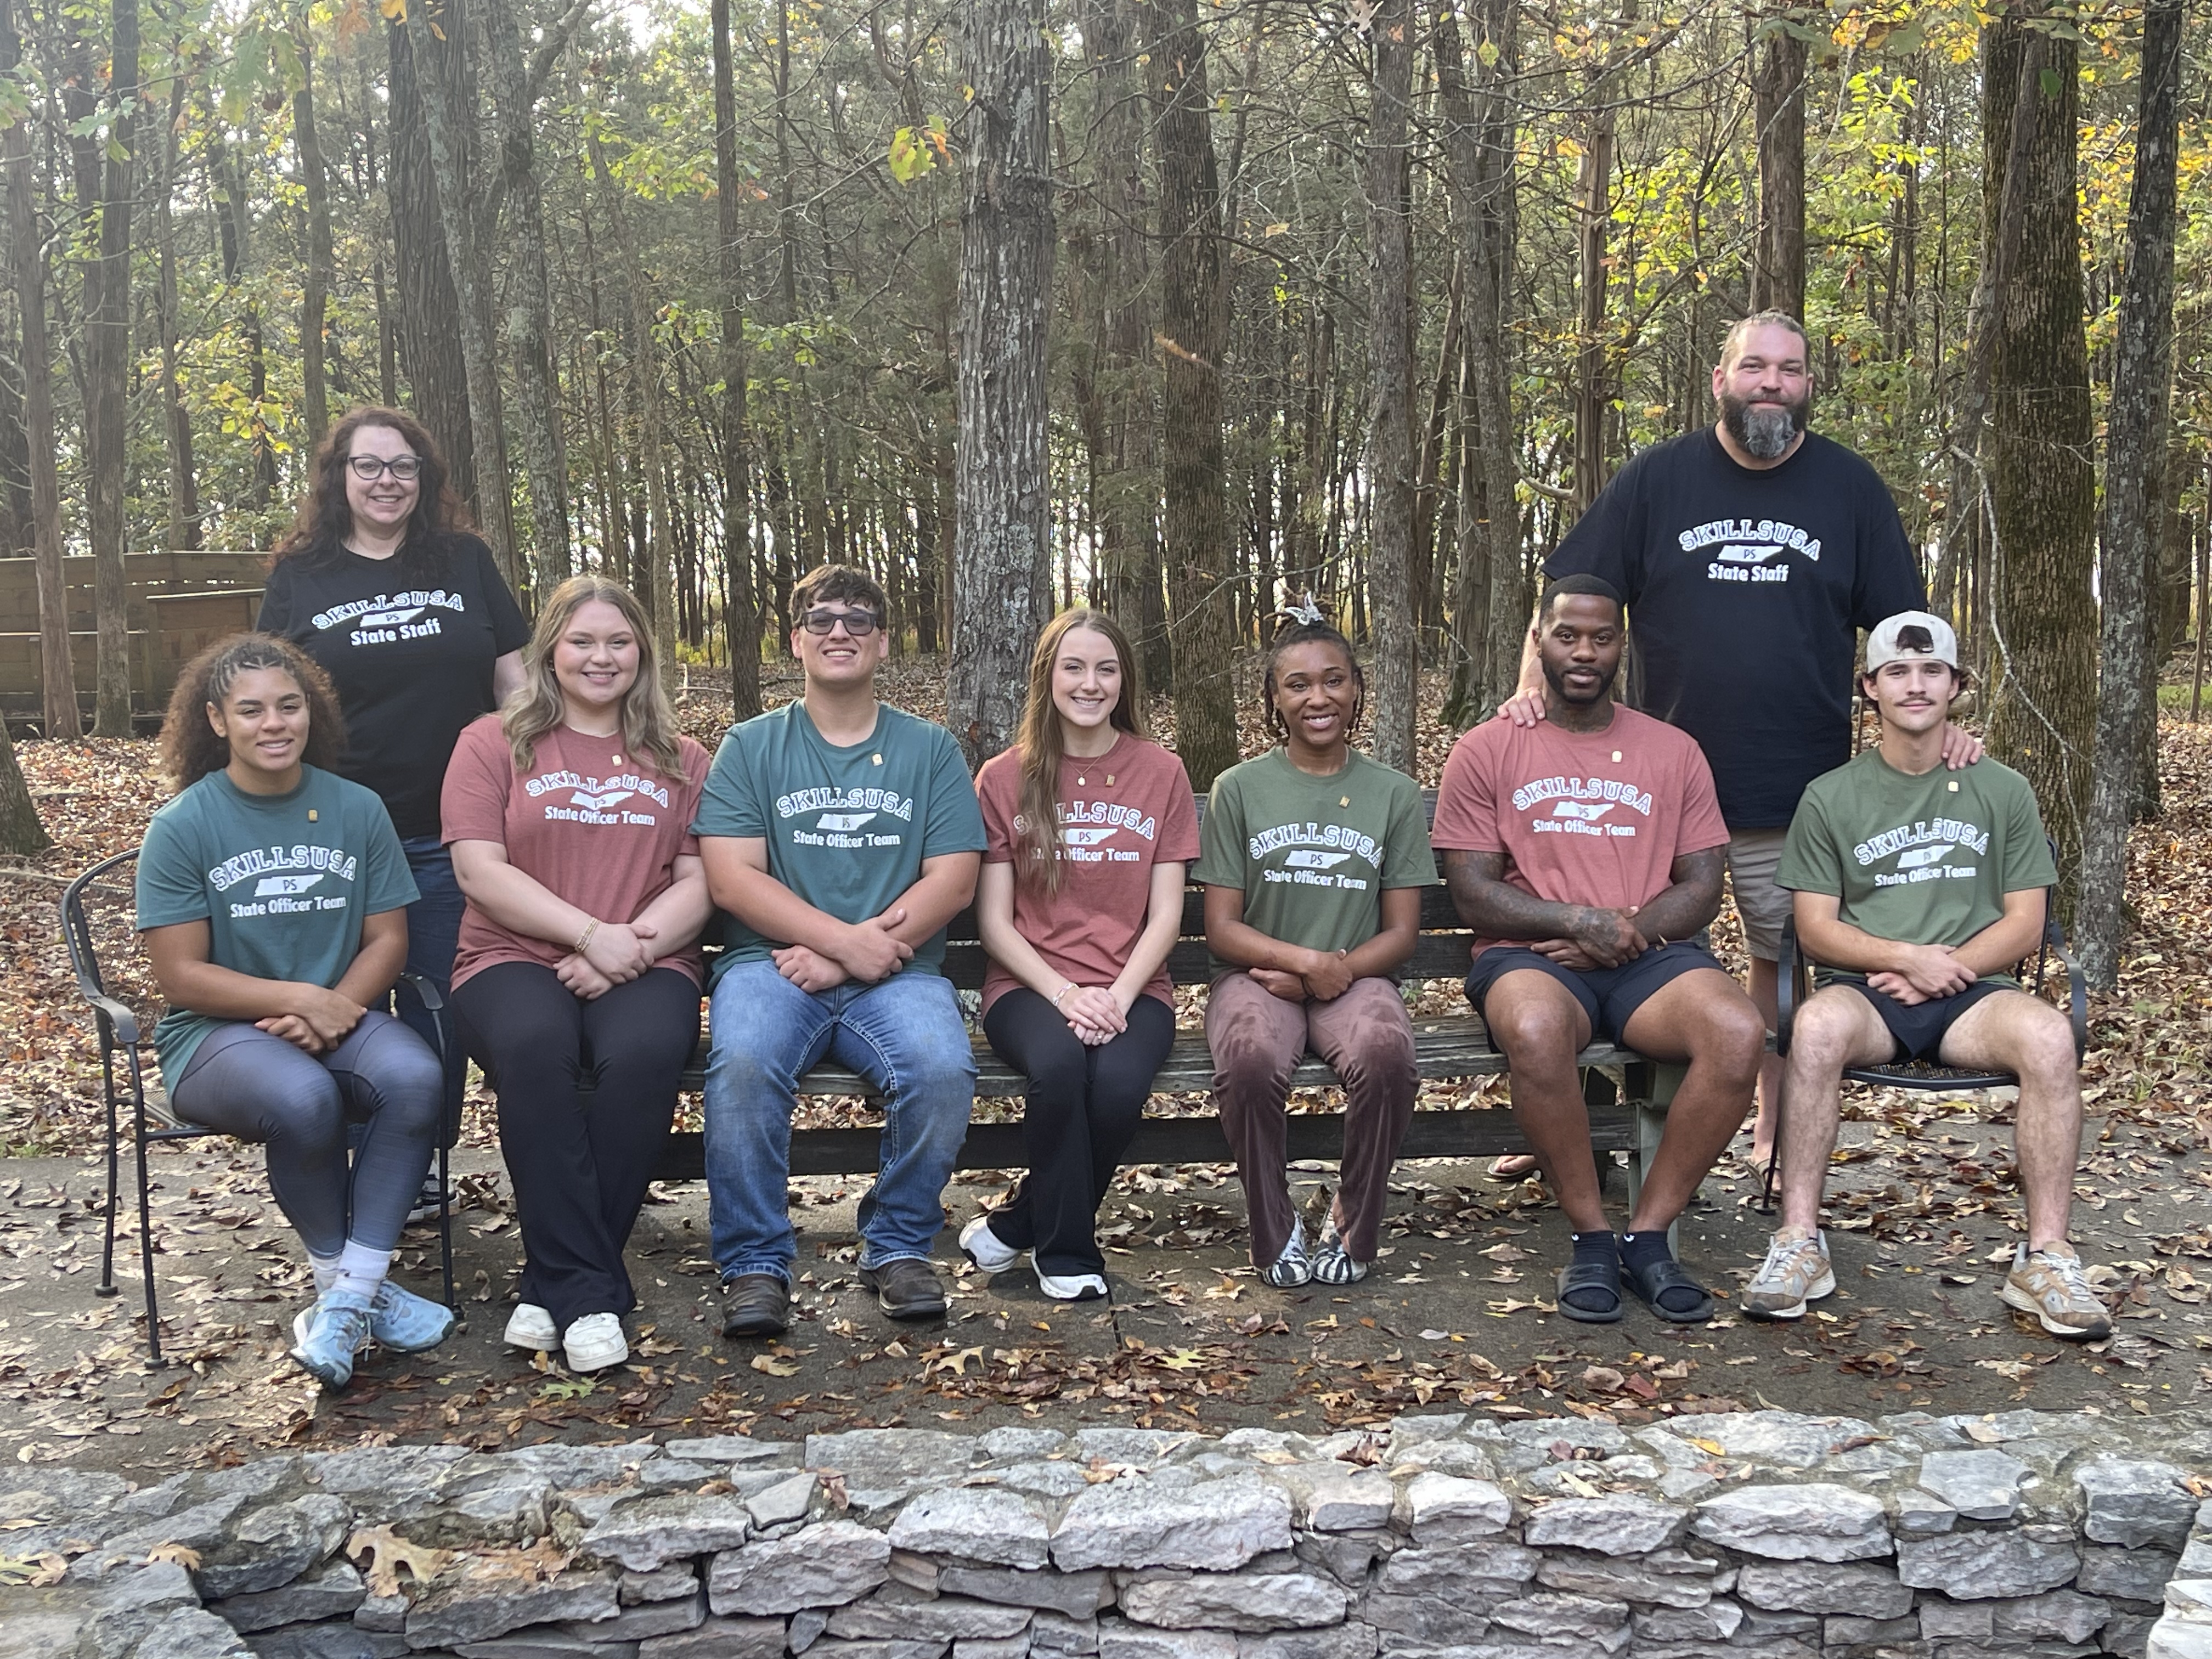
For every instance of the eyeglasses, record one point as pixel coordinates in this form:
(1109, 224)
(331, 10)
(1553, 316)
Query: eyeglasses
(858, 623)
(369, 468)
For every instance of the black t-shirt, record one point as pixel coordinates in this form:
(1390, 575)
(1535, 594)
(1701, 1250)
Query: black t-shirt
(411, 660)
(1745, 590)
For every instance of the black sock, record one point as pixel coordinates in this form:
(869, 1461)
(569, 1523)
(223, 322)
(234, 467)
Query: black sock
(1601, 1247)
(1638, 1249)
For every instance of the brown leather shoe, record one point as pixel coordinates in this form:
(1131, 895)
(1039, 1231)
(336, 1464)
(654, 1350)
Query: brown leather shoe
(755, 1305)
(907, 1289)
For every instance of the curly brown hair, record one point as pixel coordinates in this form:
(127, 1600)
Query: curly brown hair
(191, 748)
(324, 519)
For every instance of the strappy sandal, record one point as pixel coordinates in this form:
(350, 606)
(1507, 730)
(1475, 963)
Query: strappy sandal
(1603, 1277)
(1657, 1280)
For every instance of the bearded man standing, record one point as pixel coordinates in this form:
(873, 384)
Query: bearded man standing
(1750, 553)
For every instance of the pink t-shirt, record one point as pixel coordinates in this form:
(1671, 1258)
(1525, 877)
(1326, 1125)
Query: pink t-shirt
(592, 824)
(1595, 817)
(1120, 813)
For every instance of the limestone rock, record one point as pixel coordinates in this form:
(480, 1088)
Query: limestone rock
(193, 1633)
(1118, 1640)
(1056, 1633)
(1238, 1601)
(1002, 1647)
(1078, 1594)
(1817, 1521)
(545, 1642)
(1347, 1500)
(382, 1614)
(1619, 1523)
(1345, 1641)
(1446, 1508)
(1011, 1445)
(1615, 1580)
(1982, 1484)
(718, 1638)
(485, 1500)
(1786, 1440)
(874, 1456)
(981, 1523)
(2132, 1575)
(648, 1533)
(948, 1618)
(1922, 1513)
(393, 1483)
(202, 1528)
(1982, 1566)
(2063, 1613)
(1214, 1525)
(1855, 1589)
(1550, 1616)
(667, 1584)
(274, 1545)
(326, 1642)
(477, 1610)
(1715, 1621)
(1445, 1596)
(836, 1647)
(333, 1593)
(737, 1449)
(1849, 1632)
(647, 1618)
(788, 1500)
(1968, 1621)
(2134, 1502)
(816, 1566)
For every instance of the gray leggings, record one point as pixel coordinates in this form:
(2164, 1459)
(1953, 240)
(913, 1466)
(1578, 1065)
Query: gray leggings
(258, 1087)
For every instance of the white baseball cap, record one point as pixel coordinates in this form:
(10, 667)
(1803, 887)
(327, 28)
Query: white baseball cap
(1912, 634)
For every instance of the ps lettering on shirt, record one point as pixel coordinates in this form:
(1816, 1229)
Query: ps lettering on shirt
(1581, 806)
(1316, 850)
(1924, 850)
(1088, 830)
(846, 818)
(385, 618)
(622, 799)
(1750, 551)
(284, 879)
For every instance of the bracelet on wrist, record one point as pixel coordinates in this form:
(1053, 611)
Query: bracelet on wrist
(1061, 993)
(584, 939)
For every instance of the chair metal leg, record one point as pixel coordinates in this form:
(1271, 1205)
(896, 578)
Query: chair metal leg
(445, 1218)
(146, 1247)
(108, 1286)
(1774, 1158)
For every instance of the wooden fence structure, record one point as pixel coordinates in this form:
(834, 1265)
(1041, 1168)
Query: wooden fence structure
(179, 602)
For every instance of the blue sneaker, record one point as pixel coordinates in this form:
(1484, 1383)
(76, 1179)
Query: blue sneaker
(407, 1323)
(335, 1331)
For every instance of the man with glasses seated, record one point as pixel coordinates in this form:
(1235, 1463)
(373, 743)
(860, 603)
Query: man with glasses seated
(1916, 890)
(839, 835)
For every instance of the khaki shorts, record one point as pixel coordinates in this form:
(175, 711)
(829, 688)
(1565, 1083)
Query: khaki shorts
(1753, 855)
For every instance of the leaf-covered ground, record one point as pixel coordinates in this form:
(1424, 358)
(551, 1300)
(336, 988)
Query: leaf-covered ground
(1458, 1314)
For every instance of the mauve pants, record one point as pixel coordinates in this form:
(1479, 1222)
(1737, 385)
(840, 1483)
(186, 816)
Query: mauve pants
(1257, 1040)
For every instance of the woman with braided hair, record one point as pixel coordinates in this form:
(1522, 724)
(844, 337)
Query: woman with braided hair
(1313, 857)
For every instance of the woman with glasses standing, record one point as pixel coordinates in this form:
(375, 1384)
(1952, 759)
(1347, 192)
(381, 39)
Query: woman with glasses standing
(382, 583)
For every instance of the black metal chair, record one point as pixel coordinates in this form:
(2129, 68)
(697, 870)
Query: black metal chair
(1793, 984)
(123, 1073)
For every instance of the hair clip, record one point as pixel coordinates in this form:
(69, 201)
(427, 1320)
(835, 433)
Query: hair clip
(1304, 612)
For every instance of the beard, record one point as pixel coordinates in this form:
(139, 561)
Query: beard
(1559, 688)
(1767, 431)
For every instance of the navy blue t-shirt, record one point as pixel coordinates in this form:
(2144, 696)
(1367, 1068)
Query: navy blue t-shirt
(1746, 589)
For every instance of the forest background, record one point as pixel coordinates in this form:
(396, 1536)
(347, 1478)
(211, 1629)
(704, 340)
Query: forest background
(1179, 306)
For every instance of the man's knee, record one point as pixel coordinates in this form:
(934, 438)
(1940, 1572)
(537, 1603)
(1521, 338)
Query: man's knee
(1827, 1030)
(1728, 1034)
(2043, 1044)
(1530, 1030)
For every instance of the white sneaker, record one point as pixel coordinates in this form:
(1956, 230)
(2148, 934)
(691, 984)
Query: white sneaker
(1796, 1272)
(986, 1249)
(1292, 1267)
(594, 1342)
(1075, 1287)
(531, 1326)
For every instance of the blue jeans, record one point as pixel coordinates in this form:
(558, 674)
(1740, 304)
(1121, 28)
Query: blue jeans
(904, 1035)
(433, 930)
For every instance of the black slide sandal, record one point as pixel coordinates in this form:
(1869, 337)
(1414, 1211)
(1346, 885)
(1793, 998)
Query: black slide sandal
(1586, 1276)
(1655, 1278)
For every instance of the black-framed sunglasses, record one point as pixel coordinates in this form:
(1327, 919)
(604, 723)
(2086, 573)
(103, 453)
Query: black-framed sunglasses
(858, 623)
(369, 468)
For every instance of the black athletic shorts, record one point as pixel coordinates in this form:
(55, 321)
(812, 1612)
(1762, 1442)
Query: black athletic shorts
(1610, 996)
(1919, 1027)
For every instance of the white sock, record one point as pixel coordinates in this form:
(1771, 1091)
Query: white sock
(327, 1270)
(361, 1271)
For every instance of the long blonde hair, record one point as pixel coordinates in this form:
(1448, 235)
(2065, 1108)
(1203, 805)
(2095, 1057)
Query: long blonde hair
(536, 707)
(1042, 749)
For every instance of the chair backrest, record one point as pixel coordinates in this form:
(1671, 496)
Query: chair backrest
(117, 1021)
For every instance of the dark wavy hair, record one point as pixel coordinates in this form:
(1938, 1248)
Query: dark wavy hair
(191, 748)
(1296, 631)
(324, 519)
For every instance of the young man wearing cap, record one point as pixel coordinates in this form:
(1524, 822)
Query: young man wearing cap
(1917, 890)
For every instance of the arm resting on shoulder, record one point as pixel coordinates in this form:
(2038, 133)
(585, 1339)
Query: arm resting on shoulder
(508, 675)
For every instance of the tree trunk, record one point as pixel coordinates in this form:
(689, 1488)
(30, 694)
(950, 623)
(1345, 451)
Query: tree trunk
(20, 832)
(1002, 491)
(448, 122)
(106, 375)
(529, 324)
(1390, 457)
(1592, 389)
(315, 285)
(649, 576)
(2135, 462)
(1778, 272)
(2039, 438)
(177, 420)
(57, 673)
(1193, 342)
(741, 620)
(1491, 610)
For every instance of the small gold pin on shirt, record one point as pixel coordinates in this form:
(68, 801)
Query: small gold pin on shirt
(1616, 755)
(618, 760)
(310, 811)
(1952, 785)
(877, 760)
(1110, 779)
(1344, 801)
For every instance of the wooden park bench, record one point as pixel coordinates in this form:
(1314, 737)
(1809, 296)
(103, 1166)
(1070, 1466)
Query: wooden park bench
(1627, 1094)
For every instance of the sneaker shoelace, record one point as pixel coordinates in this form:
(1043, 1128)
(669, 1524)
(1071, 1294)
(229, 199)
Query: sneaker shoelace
(1783, 1253)
(2069, 1273)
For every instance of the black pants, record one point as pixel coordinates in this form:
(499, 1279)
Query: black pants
(580, 1164)
(1084, 1105)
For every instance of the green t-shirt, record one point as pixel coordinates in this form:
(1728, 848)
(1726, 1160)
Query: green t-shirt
(282, 882)
(847, 829)
(1920, 860)
(1313, 854)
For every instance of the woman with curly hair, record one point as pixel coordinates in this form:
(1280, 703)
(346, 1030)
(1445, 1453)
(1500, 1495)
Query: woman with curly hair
(570, 816)
(381, 581)
(272, 895)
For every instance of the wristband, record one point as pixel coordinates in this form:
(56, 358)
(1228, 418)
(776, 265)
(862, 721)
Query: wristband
(1063, 991)
(584, 939)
